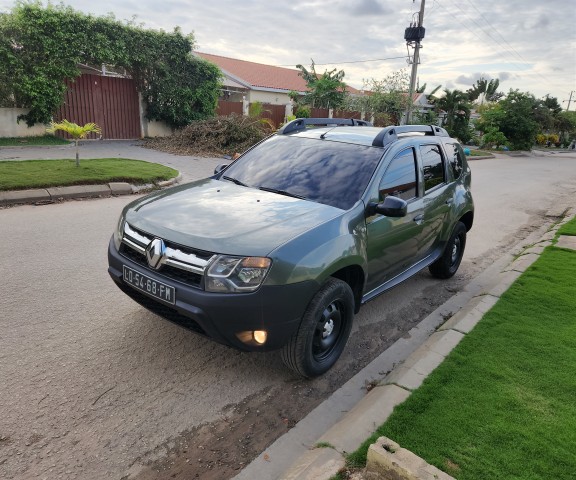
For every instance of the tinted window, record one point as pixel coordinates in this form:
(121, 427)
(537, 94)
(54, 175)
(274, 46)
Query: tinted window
(331, 173)
(400, 177)
(456, 158)
(432, 165)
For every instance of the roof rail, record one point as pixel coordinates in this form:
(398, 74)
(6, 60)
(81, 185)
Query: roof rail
(302, 123)
(389, 135)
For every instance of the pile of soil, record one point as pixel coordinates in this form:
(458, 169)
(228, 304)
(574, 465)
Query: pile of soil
(214, 137)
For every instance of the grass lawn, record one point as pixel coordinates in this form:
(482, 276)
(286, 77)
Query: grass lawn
(479, 153)
(27, 141)
(58, 173)
(503, 404)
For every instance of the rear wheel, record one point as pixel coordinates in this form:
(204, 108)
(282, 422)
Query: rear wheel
(323, 332)
(447, 265)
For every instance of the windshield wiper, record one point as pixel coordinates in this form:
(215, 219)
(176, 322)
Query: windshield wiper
(234, 180)
(282, 192)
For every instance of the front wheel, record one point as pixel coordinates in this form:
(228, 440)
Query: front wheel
(448, 263)
(323, 331)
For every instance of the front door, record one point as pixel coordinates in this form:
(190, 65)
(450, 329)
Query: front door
(393, 242)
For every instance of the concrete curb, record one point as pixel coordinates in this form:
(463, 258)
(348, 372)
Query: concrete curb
(49, 195)
(430, 342)
(386, 459)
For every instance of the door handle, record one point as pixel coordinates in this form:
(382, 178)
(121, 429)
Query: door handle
(418, 219)
(449, 201)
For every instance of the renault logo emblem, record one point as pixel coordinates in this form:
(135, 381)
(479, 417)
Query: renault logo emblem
(155, 252)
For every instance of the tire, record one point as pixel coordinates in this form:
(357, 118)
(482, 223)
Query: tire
(323, 331)
(447, 265)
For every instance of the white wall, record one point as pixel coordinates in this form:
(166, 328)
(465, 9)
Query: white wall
(154, 128)
(9, 127)
(274, 98)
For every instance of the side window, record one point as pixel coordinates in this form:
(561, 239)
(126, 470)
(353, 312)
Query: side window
(456, 159)
(433, 166)
(400, 178)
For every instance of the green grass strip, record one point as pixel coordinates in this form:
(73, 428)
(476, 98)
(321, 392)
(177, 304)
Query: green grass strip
(569, 228)
(32, 141)
(503, 404)
(19, 175)
(480, 153)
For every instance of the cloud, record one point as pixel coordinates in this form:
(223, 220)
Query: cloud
(366, 8)
(462, 38)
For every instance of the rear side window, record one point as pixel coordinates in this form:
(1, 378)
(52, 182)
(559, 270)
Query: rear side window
(455, 159)
(433, 166)
(400, 178)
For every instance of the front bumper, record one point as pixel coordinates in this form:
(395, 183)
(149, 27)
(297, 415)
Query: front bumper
(223, 317)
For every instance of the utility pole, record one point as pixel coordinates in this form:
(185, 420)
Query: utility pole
(569, 100)
(413, 36)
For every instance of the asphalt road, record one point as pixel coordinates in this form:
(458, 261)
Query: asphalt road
(91, 384)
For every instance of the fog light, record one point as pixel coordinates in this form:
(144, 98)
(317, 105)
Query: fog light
(260, 336)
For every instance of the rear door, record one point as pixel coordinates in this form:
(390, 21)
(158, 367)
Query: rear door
(437, 197)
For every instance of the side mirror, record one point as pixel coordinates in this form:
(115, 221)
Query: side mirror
(219, 168)
(390, 207)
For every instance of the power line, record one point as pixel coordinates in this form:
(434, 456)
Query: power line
(352, 61)
(506, 49)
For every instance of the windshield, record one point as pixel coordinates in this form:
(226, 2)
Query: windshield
(332, 173)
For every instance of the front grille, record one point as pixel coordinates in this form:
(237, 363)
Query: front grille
(182, 264)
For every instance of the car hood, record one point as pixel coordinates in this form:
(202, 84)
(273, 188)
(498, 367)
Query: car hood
(221, 217)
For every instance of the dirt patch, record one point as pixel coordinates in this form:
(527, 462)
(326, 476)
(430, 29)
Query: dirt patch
(219, 450)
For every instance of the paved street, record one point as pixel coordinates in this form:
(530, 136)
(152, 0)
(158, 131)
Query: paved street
(94, 386)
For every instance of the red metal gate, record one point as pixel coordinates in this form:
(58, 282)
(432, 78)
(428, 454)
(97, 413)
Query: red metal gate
(276, 113)
(110, 102)
(227, 108)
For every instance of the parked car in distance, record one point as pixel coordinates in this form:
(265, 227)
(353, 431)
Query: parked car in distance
(280, 249)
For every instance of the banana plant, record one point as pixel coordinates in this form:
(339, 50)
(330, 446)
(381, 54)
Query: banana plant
(75, 131)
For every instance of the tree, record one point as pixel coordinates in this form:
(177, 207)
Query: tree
(566, 125)
(489, 90)
(493, 137)
(384, 99)
(514, 116)
(176, 86)
(456, 106)
(324, 91)
(75, 131)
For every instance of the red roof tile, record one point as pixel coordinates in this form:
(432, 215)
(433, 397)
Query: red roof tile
(260, 75)
(257, 74)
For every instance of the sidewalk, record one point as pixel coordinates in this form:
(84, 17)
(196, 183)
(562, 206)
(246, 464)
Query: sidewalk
(315, 448)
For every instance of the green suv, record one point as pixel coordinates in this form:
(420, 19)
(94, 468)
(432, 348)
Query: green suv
(279, 249)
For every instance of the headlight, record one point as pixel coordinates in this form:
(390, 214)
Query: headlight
(236, 274)
(119, 232)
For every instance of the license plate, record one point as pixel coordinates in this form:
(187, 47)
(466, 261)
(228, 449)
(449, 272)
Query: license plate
(145, 284)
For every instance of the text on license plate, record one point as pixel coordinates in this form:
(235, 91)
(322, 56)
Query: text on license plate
(148, 285)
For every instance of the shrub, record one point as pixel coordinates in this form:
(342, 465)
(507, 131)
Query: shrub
(302, 112)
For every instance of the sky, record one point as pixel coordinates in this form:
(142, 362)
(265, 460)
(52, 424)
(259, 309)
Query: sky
(528, 45)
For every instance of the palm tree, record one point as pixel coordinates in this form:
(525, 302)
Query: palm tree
(456, 105)
(75, 131)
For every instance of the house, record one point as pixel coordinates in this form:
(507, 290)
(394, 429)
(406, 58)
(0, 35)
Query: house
(258, 82)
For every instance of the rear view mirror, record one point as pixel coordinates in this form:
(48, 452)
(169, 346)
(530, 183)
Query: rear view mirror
(390, 207)
(219, 168)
